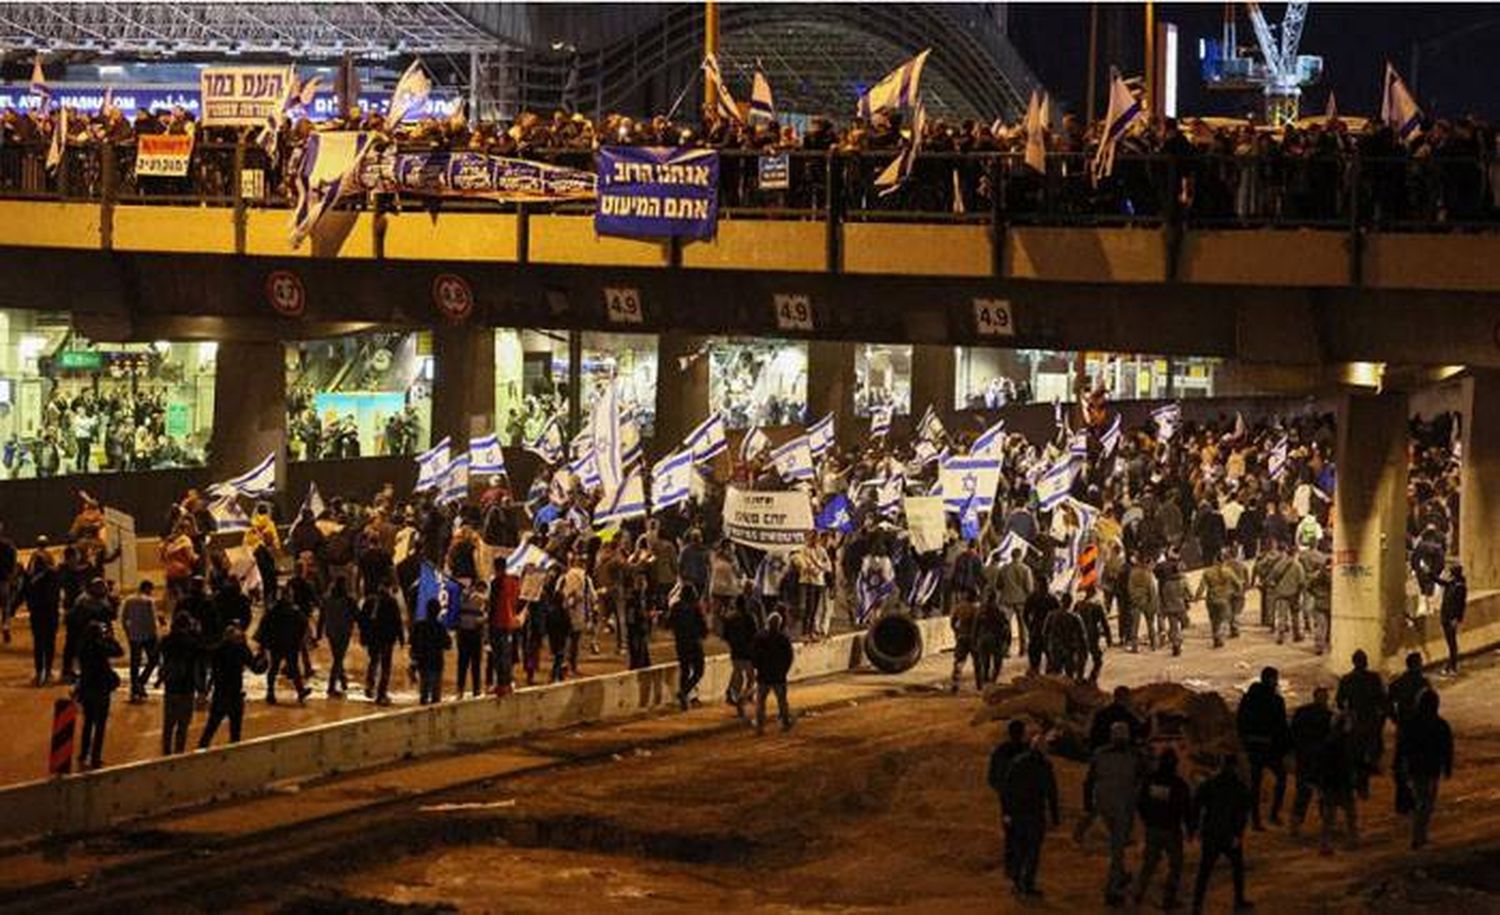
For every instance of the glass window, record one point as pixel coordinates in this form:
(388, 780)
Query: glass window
(987, 379)
(531, 377)
(72, 405)
(758, 382)
(990, 378)
(630, 358)
(361, 395)
(882, 377)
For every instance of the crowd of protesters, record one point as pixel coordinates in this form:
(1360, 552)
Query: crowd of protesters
(1201, 168)
(90, 432)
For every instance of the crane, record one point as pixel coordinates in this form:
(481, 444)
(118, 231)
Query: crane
(1281, 72)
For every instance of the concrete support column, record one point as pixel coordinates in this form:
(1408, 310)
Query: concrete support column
(249, 408)
(1369, 540)
(681, 394)
(830, 384)
(463, 387)
(1479, 500)
(934, 374)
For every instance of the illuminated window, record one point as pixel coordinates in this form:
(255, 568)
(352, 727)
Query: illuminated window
(882, 377)
(758, 382)
(359, 396)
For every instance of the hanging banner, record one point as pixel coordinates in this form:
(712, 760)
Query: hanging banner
(163, 155)
(657, 192)
(768, 520)
(775, 173)
(473, 175)
(927, 522)
(240, 96)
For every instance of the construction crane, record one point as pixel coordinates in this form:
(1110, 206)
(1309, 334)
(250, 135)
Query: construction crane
(1280, 73)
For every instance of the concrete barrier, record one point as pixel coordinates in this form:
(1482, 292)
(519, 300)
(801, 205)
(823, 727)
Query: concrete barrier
(97, 800)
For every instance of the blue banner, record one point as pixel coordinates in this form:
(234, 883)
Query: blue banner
(657, 191)
(475, 174)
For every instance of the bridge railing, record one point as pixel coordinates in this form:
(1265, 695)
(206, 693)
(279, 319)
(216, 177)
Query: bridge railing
(1208, 190)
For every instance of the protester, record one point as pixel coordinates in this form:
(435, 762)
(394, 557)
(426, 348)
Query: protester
(1164, 804)
(1361, 696)
(999, 769)
(229, 660)
(1262, 726)
(772, 655)
(1425, 756)
(1112, 790)
(1221, 806)
(1028, 799)
(96, 683)
(685, 619)
(181, 652)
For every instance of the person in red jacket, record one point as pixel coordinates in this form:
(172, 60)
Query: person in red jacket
(505, 594)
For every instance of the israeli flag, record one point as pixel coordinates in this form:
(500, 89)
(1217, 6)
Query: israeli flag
(966, 479)
(1277, 461)
(880, 422)
(1398, 109)
(330, 160)
(1123, 111)
(672, 480)
(586, 471)
(924, 587)
(39, 87)
(924, 453)
(486, 456)
(313, 504)
(753, 445)
(629, 501)
(1168, 417)
(1078, 445)
(968, 520)
(582, 444)
(762, 106)
(548, 444)
(991, 442)
(409, 95)
(227, 514)
(1053, 485)
(256, 482)
(455, 483)
(900, 169)
(820, 436)
(1110, 440)
(930, 427)
(708, 440)
(888, 494)
(630, 436)
(870, 589)
(607, 441)
(794, 460)
(527, 555)
(727, 109)
(432, 464)
(1087, 514)
(901, 88)
(837, 515)
(1008, 544)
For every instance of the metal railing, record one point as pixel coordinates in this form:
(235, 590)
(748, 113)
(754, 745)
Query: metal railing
(1209, 191)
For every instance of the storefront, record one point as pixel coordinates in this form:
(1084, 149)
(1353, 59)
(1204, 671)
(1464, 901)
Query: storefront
(361, 395)
(987, 379)
(532, 369)
(882, 378)
(72, 405)
(758, 382)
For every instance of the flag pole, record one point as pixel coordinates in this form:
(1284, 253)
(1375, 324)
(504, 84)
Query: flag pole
(710, 49)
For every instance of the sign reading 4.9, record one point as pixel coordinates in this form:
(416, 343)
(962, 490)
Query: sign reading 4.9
(622, 305)
(992, 318)
(793, 312)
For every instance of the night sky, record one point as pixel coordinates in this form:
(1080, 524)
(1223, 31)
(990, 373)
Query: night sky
(1456, 73)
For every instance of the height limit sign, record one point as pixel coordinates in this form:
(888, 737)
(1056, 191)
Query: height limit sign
(993, 318)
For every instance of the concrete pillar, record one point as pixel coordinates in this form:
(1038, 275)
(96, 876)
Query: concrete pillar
(933, 379)
(1479, 500)
(830, 384)
(463, 387)
(249, 408)
(681, 394)
(1369, 539)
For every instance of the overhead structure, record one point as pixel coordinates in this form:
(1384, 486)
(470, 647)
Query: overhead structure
(1281, 72)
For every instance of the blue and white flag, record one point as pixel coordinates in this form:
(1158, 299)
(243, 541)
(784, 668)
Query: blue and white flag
(313, 503)
(793, 460)
(1276, 461)
(969, 521)
(1087, 514)
(1110, 440)
(901, 88)
(409, 95)
(888, 494)
(629, 501)
(672, 480)
(837, 514)
(39, 87)
(924, 587)
(433, 585)
(258, 481)
(870, 589)
(585, 471)
(723, 101)
(432, 464)
(930, 426)
(630, 435)
(1123, 111)
(486, 456)
(1052, 486)
(880, 421)
(896, 173)
(762, 106)
(548, 444)
(820, 436)
(330, 160)
(455, 481)
(1398, 110)
(1078, 446)
(708, 440)
(969, 481)
(924, 453)
(227, 514)
(753, 445)
(527, 555)
(606, 440)
(991, 442)
(1168, 417)
(1009, 544)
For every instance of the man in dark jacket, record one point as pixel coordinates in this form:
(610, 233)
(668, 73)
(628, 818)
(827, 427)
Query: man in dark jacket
(739, 635)
(1164, 805)
(1451, 612)
(1402, 698)
(181, 652)
(228, 660)
(1028, 796)
(429, 644)
(1361, 695)
(772, 656)
(1311, 725)
(97, 682)
(1261, 722)
(280, 634)
(41, 588)
(1425, 754)
(385, 631)
(1220, 807)
(1000, 760)
(689, 629)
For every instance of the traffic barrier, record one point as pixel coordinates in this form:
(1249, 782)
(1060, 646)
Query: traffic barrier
(64, 719)
(93, 801)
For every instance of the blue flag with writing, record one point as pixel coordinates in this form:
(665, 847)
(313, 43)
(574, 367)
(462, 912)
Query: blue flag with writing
(433, 585)
(837, 515)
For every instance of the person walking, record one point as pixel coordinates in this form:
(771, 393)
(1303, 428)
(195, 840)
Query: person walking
(229, 660)
(1402, 698)
(1028, 797)
(1111, 790)
(385, 632)
(1015, 584)
(1000, 759)
(1262, 727)
(739, 634)
(1311, 726)
(1426, 756)
(281, 634)
(41, 588)
(772, 656)
(181, 653)
(429, 643)
(1451, 613)
(961, 618)
(470, 635)
(1164, 804)
(1361, 696)
(1144, 601)
(96, 683)
(139, 619)
(1096, 632)
(336, 621)
(1336, 776)
(685, 619)
(1221, 806)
